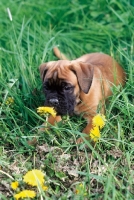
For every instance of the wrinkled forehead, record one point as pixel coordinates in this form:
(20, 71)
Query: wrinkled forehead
(60, 71)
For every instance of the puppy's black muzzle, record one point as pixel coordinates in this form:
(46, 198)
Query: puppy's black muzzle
(62, 107)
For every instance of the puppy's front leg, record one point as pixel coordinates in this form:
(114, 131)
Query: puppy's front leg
(86, 130)
(90, 117)
(51, 120)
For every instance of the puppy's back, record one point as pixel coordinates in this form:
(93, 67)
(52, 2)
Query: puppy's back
(109, 67)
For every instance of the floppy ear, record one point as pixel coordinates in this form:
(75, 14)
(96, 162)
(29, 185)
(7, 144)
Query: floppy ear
(43, 70)
(84, 73)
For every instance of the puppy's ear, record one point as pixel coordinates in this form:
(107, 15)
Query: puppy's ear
(43, 70)
(84, 73)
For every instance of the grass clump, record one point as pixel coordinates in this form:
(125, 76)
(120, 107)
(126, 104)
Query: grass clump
(29, 31)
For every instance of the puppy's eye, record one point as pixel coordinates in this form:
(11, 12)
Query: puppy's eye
(67, 88)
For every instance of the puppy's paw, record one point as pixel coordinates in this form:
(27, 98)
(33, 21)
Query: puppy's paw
(44, 127)
(79, 141)
(47, 125)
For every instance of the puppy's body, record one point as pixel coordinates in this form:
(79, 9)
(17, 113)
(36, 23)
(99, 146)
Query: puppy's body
(80, 85)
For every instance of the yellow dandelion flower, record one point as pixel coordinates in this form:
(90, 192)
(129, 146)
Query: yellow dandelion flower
(25, 194)
(99, 120)
(34, 177)
(9, 101)
(77, 191)
(14, 185)
(95, 133)
(80, 190)
(80, 187)
(43, 110)
(44, 187)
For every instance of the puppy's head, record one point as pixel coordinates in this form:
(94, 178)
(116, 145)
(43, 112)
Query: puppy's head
(63, 81)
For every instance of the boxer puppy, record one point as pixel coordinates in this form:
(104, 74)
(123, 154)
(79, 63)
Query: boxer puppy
(81, 85)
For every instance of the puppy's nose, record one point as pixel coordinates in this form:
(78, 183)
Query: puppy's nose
(54, 102)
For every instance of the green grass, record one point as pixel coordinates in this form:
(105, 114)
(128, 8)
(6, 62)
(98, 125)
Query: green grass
(106, 170)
